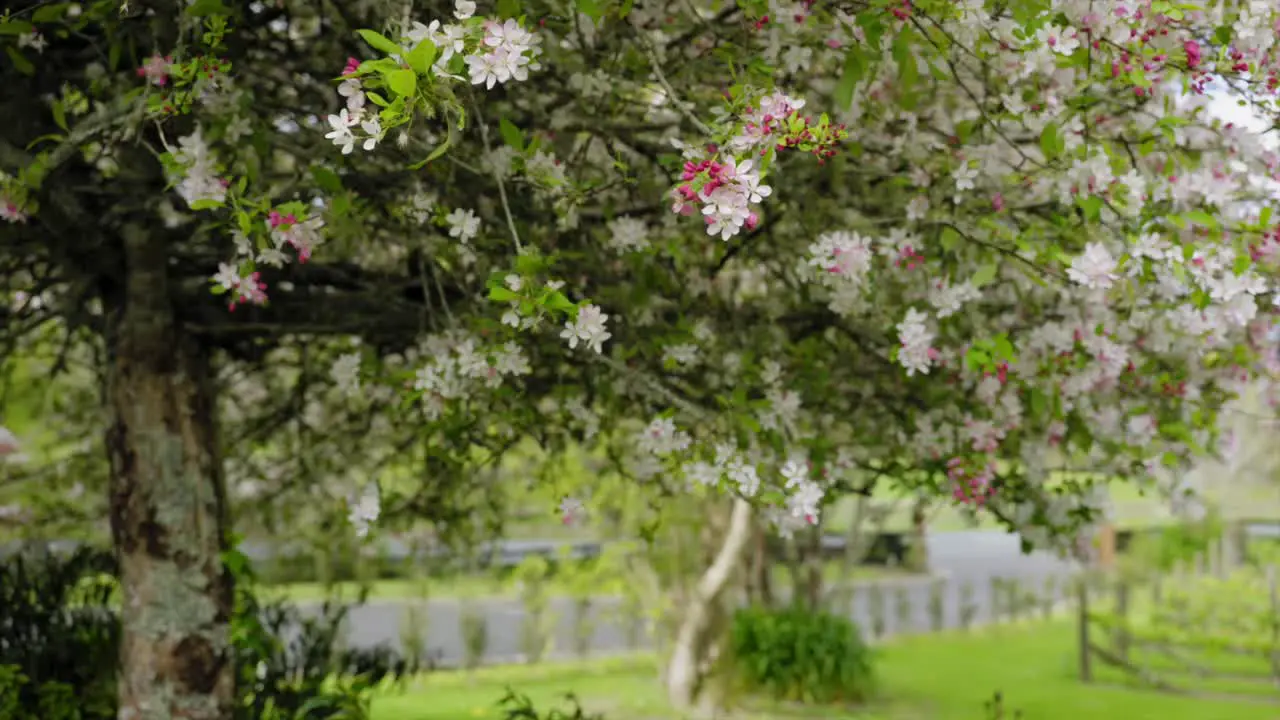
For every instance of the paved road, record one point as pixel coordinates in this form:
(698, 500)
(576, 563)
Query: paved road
(960, 559)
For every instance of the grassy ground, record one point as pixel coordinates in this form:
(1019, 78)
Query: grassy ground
(484, 586)
(941, 677)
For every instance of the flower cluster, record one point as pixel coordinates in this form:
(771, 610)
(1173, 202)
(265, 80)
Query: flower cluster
(198, 180)
(804, 499)
(916, 352)
(10, 208)
(509, 53)
(281, 230)
(492, 53)
(727, 185)
(353, 116)
(9, 444)
(457, 365)
(364, 509)
(287, 231)
(971, 485)
(588, 327)
(246, 289)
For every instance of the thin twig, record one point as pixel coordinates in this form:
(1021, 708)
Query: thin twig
(654, 63)
(654, 385)
(502, 186)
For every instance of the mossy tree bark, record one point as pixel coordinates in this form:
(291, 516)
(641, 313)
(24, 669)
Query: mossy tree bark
(168, 507)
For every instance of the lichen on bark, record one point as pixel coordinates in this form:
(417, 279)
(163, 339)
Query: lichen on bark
(167, 504)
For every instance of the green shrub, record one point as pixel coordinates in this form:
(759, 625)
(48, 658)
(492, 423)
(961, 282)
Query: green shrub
(57, 637)
(21, 699)
(291, 666)
(537, 628)
(59, 643)
(796, 655)
(1166, 548)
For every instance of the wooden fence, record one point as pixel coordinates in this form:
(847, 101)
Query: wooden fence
(1201, 630)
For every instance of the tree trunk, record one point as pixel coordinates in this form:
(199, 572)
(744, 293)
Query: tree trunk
(759, 568)
(168, 518)
(812, 566)
(918, 555)
(687, 667)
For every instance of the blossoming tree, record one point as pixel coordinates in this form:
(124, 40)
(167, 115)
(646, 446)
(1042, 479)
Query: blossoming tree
(798, 245)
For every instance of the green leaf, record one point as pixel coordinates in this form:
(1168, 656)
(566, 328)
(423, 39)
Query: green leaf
(850, 75)
(558, 301)
(403, 82)
(442, 148)
(1004, 348)
(1051, 143)
(950, 239)
(59, 115)
(50, 13)
(1037, 401)
(1091, 206)
(1243, 263)
(377, 99)
(1175, 431)
(206, 204)
(984, 275)
(497, 293)
(422, 56)
(378, 42)
(1201, 217)
(508, 9)
(511, 134)
(591, 8)
(530, 264)
(16, 27)
(205, 8)
(976, 359)
(23, 65)
(327, 179)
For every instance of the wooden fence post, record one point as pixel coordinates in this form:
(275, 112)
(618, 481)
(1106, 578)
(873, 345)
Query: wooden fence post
(1082, 622)
(1106, 540)
(1120, 633)
(1217, 568)
(997, 599)
(938, 604)
(1275, 622)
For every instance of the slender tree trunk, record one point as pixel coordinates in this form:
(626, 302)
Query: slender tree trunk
(167, 504)
(813, 564)
(686, 669)
(764, 568)
(758, 585)
(918, 558)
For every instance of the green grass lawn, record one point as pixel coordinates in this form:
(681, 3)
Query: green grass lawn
(939, 677)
